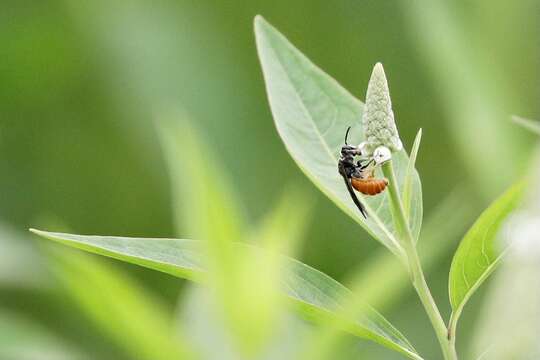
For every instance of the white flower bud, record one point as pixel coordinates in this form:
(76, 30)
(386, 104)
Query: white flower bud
(378, 117)
(381, 155)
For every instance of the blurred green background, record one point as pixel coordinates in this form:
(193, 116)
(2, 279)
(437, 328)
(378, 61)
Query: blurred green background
(82, 81)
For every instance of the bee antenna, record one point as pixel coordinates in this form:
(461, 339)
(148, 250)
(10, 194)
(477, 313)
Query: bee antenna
(347, 135)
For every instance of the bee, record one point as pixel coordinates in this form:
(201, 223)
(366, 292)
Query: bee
(360, 175)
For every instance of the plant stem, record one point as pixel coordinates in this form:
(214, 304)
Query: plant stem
(452, 327)
(429, 304)
(414, 265)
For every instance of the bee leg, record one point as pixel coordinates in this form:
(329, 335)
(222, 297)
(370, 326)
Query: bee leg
(357, 202)
(362, 167)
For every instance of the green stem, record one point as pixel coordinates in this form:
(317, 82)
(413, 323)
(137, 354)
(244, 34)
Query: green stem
(415, 268)
(452, 327)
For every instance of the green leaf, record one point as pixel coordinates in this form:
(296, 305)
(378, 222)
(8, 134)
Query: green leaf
(317, 295)
(284, 226)
(312, 112)
(528, 124)
(479, 253)
(127, 313)
(203, 207)
(256, 296)
(206, 208)
(409, 176)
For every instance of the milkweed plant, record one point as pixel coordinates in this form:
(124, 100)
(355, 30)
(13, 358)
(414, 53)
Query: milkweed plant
(312, 112)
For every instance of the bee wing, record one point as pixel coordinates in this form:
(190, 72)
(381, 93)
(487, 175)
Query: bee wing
(351, 192)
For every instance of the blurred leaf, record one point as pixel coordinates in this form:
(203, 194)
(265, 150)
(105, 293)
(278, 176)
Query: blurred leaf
(317, 295)
(204, 326)
(260, 312)
(409, 176)
(532, 125)
(23, 339)
(479, 253)
(258, 299)
(312, 112)
(119, 307)
(204, 204)
(283, 227)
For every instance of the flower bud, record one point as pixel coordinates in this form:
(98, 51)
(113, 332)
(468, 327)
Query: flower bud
(381, 155)
(378, 117)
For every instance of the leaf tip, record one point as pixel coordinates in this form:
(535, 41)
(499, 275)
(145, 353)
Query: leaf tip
(259, 22)
(416, 143)
(35, 231)
(259, 19)
(43, 234)
(261, 28)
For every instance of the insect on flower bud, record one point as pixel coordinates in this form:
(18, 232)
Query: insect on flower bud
(378, 117)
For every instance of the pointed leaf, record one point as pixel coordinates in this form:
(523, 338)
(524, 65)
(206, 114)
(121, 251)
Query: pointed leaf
(409, 176)
(317, 295)
(479, 253)
(203, 207)
(312, 112)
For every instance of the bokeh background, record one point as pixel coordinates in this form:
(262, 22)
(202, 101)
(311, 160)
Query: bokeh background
(81, 83)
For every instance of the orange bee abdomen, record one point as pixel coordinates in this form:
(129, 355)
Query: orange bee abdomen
(369, 186)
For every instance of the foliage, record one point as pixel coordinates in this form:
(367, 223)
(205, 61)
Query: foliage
(311, 112)
(79, 153)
